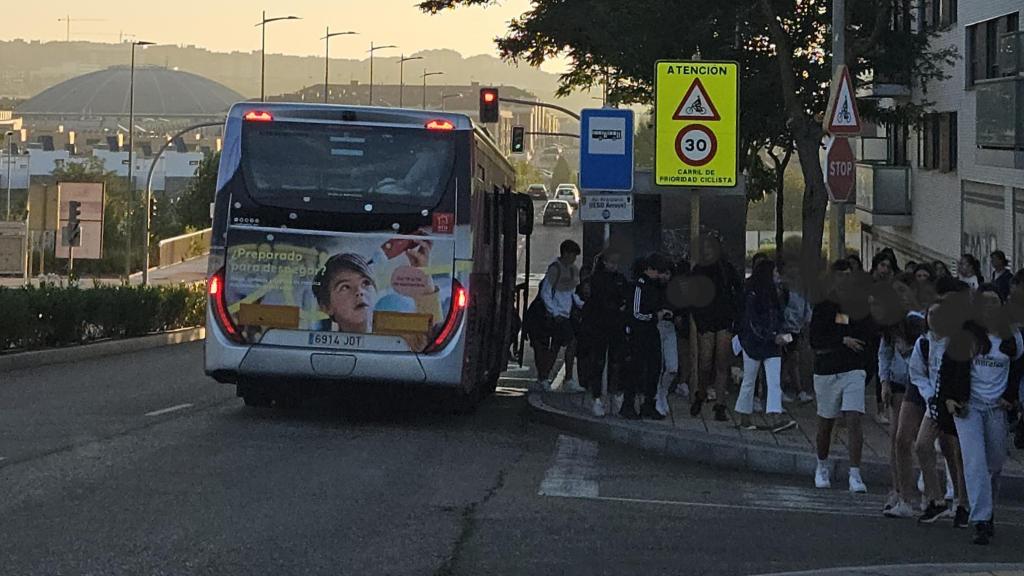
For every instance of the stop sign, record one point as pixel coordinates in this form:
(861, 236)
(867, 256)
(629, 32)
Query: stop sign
(840, 173)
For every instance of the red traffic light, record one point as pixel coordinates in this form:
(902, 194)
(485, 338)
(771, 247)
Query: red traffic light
(489, 97)
(489, 105)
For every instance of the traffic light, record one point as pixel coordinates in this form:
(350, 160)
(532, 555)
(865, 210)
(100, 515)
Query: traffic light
(74, 229)
(152, 208)
(489, 105)
(518, 139)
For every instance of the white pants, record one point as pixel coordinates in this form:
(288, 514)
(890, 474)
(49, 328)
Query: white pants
(772, 376)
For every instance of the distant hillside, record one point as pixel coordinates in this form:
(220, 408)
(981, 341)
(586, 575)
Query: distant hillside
(28, 67)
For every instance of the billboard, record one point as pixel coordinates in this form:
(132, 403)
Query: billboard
(372, 291)
(90, 196)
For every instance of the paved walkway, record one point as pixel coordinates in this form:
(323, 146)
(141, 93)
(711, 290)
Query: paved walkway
(704, 439)
(193, 270)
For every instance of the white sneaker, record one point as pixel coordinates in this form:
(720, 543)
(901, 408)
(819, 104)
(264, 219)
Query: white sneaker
(712, 395)
(786, 398)
(805, 397)
(900, 510)
(857, 485)
(570, 386)
(598, 408)
(758, 405)
(661, 405)
(546, 385)
(683, 390)
(821, 477)
(617, 401)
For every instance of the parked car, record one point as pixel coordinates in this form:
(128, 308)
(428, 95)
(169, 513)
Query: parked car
(538, 192)
(558, 211)
(569, 193)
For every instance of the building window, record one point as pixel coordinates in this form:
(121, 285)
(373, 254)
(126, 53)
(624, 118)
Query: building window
(938, 13)
(937, 142)
(983, 47)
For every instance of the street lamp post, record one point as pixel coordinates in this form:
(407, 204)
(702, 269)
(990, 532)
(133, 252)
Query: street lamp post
(401, 77)
(131, 171)
(327, 55)
(447, 96)
(372, 50)
(263, 49)
(425, 75)
(7, 146)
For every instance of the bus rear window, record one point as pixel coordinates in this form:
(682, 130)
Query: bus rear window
(325, 166)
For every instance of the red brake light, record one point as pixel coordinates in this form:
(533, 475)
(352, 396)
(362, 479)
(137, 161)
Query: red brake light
(259, 116)
(460, 301)
(440, 125)
(220, 307)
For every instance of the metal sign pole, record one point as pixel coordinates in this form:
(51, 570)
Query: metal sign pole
(837, 234)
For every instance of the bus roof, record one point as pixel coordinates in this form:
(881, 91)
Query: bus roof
(293, 111)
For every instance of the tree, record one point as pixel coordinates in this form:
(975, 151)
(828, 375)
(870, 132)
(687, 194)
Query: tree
(782, 47)
(561, 174)
(193, 208)
(527, 174)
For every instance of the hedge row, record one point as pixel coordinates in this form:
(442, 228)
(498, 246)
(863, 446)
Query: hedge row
(50, 316)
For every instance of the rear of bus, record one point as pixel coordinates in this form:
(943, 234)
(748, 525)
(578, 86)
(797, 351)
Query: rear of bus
(341, 249)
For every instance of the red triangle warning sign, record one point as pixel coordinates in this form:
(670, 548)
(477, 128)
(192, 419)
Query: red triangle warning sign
(696, 105)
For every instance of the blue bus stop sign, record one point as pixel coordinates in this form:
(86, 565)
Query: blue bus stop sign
(606, 150)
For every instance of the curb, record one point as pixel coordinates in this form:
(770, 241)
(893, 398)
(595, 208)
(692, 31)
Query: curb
(720, 453)
(37, 358)
(912, 570)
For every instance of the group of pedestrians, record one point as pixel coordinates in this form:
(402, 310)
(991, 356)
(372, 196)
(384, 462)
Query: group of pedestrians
(942, 352)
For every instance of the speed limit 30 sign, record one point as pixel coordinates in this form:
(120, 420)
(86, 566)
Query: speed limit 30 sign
(697, 117)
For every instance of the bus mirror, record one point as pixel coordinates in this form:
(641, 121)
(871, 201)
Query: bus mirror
(524, 211)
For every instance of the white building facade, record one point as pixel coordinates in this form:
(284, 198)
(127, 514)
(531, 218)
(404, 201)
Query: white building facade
(955, 183)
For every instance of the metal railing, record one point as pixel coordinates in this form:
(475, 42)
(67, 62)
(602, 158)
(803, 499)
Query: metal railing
(184, 247)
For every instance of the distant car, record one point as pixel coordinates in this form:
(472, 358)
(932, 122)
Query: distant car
(538, 192)
(569, 193)
(558, 211)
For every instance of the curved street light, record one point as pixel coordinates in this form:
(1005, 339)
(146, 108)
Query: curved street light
(372, 50)
(425, 75)
(401, 77)
(327, 55)
(263, 48)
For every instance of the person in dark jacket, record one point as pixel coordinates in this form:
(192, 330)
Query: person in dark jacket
(978, 394)
(762, 339)
(647, 306)
(603, 331)
(718, 299)
(840, 328)
(1002, 278)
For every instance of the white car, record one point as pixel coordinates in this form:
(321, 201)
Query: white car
(569, 193)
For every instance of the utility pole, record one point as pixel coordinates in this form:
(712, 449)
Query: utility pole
(837, 231)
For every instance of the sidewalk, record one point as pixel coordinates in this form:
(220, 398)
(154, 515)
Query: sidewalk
(704, 440)
(918, 570)
(189, 271)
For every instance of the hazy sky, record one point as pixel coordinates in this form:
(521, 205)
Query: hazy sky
(226, 25)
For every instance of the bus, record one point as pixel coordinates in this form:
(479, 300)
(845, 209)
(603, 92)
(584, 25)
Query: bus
(361, 245)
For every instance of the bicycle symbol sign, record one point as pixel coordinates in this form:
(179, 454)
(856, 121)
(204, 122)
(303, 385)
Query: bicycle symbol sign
(696, 145)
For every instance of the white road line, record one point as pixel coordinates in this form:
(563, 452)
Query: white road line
(573, 472)
(166, 410)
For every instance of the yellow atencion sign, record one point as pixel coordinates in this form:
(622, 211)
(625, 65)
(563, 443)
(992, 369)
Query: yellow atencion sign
(697, 122)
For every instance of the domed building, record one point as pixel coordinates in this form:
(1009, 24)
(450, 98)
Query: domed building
(159, 92)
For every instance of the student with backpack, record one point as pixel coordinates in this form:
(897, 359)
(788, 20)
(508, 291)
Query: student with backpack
(978, 394)
(548, 320)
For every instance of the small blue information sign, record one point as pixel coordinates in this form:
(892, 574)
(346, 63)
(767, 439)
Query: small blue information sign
(606, 150)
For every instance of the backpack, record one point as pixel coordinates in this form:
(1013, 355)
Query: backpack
(535, 320)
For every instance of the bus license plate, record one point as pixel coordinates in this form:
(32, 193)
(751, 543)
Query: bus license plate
(333, 340)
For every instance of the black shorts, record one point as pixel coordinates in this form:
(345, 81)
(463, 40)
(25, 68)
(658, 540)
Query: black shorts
(898, 388)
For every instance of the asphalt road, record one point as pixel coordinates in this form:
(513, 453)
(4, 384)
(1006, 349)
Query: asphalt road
(94, 485)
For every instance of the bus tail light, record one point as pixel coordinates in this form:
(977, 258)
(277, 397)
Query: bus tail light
(460, 302)
(440, 125)
(259, 116)
(215, 288)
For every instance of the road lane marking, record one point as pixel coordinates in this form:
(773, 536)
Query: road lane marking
(573, 472)
(166, 410)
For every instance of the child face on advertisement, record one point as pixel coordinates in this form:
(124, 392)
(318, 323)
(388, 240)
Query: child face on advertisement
(352, 298)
